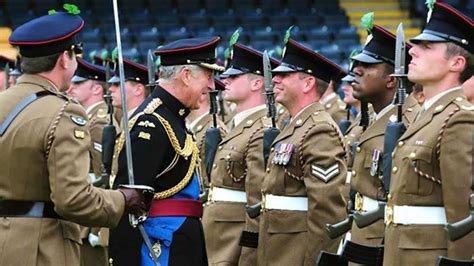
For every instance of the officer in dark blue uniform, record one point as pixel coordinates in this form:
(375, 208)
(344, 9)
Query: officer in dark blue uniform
(165, 156)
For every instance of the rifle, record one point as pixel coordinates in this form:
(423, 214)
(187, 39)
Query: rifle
(338, 229)
(134, 221)
(212, 139)
(108, 135)
(269, 134)
(344, 124)
(222, 111)
(393, 131)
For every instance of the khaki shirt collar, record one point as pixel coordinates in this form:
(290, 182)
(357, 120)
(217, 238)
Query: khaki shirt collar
(238, 118)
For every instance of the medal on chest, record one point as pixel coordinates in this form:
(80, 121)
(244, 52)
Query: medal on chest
(283, 152)
(374, 166)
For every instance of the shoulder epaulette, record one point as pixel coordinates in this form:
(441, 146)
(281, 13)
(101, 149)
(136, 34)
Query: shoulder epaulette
(152, 106)
(464, 104)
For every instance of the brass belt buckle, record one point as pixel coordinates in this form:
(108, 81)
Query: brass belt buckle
(359, 202)
(209, 196)
(388, 215)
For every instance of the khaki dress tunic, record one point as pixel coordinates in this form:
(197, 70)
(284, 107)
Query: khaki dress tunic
(336, 108)
(199, 131)
(238, 160)
(432, 166)
(366, 184)
(289, 237)
(45, 158)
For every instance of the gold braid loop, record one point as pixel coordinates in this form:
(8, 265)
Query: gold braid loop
(189, 143)
(184, 182)
(53, 129)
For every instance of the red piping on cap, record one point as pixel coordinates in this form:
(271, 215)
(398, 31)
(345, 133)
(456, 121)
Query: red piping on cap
(187, 48)
(317, 54)
(457, 13)
(135, 64)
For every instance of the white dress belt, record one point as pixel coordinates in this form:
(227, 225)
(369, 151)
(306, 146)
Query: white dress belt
(415, 215)
(229, 195)
(348, 177)
(369, 204)
(273, 202)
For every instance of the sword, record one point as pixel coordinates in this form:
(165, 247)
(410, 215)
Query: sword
(134, 222)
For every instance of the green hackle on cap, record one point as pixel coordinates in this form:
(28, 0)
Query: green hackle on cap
(288, 34)
(367, 21)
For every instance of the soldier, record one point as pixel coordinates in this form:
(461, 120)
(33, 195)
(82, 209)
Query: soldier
(332, 103)
(201, 120)
(374, 84)
(4, 61)
(306, 168)
(88, 85)
(432, 163)
(44, 139)
(238, 163)
(165, 156)
(136, 79)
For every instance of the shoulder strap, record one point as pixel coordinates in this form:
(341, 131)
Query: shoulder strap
(22, 105)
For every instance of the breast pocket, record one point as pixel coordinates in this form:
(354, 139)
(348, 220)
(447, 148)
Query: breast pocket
(417, 171)
(235, 167)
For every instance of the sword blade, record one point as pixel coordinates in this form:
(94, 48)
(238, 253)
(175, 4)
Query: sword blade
(128, 145)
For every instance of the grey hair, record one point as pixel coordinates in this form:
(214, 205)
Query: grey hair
(170, 73)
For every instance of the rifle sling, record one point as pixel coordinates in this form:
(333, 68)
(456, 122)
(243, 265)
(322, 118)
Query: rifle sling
(22, 105)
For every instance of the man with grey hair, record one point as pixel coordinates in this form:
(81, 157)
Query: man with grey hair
(165, 156)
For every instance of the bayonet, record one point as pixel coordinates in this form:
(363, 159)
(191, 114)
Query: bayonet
(134, 222)
(151, 70)
(400, 71)
(267, 77)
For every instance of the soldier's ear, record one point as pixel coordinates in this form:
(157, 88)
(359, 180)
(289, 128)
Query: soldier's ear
(63, 60)
(185, 76)
(457, 63)
(309, 84)
(392, 82)
(257, 84)
(97, 88)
